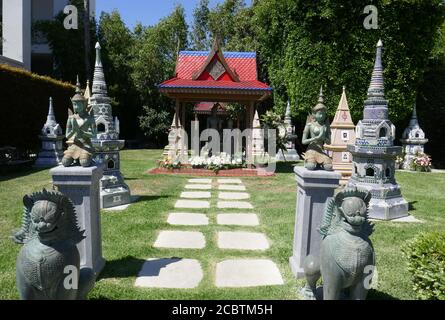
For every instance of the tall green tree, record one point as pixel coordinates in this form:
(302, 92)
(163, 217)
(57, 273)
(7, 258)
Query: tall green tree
(200, 36)
(117, 42)
(154, 60)
(309, 43)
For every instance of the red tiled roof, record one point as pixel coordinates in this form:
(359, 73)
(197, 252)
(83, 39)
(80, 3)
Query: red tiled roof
(212, 84)
(242, 63)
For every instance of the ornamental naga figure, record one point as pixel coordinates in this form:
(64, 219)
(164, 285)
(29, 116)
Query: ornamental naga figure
(346, 255)
(317, 133)
(50, 233)
(80, 128)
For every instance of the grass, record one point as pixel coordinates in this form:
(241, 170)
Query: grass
(128, 236)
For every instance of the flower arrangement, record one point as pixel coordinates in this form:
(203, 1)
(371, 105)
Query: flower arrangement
(421, 162)
(169, 163)
(399, 161)
(216, 163)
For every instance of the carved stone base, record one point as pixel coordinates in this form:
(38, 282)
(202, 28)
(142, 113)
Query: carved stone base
(82, 185)
(314, 189)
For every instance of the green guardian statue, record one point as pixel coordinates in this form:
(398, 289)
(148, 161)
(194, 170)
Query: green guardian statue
(316, 134)
(80, 128)
(50, 233)
(347, 259)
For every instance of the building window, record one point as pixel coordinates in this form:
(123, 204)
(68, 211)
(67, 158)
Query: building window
(110, 164)
(382, 133)
(101, 128)
(370, 172)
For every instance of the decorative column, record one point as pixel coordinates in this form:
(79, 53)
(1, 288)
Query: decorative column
(52, 142)
(114, 191)
(314, 189)
(374, 152)
(82, 186)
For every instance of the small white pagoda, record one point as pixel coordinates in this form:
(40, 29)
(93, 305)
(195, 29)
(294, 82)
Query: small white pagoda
(413, 141)
(52, 141)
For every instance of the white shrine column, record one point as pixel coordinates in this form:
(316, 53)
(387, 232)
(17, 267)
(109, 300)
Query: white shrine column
(17, 31)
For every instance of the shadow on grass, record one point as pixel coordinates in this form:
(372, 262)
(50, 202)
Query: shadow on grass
(285, 167)
(150, 198)
(9, 173)
(411, 206)
(122, 268)
(132, 267)
(378, 295)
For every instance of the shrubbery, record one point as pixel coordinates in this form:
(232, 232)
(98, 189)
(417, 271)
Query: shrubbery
(426, 263)
(24, 101)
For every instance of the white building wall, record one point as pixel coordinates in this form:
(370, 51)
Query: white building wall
(17, 31)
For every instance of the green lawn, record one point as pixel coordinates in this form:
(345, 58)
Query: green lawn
(128, 235)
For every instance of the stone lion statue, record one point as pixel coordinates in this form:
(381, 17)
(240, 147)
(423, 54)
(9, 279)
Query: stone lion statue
(50, 233)
(346, 250)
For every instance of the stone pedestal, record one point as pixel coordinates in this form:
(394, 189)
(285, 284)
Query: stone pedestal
(314, 189)
(289, 155)
(82, 186)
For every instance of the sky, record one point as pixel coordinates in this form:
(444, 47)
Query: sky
(149, 12)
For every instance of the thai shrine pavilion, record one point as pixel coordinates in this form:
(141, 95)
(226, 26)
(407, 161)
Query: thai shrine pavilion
(206, 81)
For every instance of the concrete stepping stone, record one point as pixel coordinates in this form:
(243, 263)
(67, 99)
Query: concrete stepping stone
(192, 204)
(196, 195)
(234, 205)
(173, 273)
(187, 219)
(200, 181)
(238, 219)
(247, 273)
(230, 181)
(229, 187)
(198, 186)
(180, 240)
(233, 195)
(242, 240)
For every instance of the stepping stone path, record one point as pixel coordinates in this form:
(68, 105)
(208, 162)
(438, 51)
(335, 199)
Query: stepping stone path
(227, 194)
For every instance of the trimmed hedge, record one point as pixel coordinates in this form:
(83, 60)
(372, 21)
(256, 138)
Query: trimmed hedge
(426, 263)
(24, 100)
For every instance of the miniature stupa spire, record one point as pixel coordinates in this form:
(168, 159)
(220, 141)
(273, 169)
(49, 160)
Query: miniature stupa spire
(414, 123)
(376, 107)
(78, 89)
(287, 116)
(51, 118)
(99, 84)
(87, 93)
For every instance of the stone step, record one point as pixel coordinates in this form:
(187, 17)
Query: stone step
(239, 240)
(233, 195)
(187, 219)
(198, 186)
(230, 181)
(196, 195)
(200, 181)
(247, 273)
(229, 187)
(180, 240)
(170, 273)
(238, 219)
(192, 204)
(234, 205)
